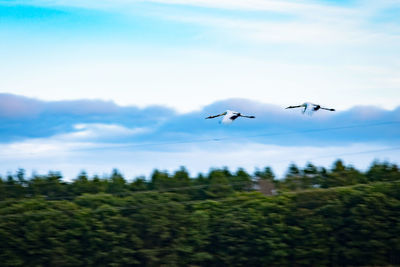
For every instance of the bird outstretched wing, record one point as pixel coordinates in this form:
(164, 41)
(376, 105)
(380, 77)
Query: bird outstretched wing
(294, 106)
(250, 117)
(214, 116)
(330, 109)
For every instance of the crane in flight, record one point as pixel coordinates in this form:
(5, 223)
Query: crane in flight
(229, 116)
(310, 108)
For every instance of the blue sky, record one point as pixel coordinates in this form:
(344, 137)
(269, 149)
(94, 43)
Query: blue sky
(96, 136)
(117, 75)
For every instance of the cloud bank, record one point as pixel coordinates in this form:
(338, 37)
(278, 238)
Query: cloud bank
(23, 117)
(97, 136)
(101, 121)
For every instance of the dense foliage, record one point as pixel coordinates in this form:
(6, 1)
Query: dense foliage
(217, 183)
(320, 217)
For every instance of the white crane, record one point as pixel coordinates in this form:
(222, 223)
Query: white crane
(229, 116)
(310, 108)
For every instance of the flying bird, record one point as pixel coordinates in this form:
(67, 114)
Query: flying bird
(310, 108)
(229, 116)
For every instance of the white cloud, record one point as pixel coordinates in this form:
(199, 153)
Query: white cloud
(312, 23)
(100, 131)
(87, 136)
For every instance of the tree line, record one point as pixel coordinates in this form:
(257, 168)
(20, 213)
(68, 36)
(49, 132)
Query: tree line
(321, 217)
(216, 183)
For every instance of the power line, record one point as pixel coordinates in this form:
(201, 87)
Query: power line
(359, 153)
(194, 186)
(220, 139)
(241, 137)
(28, 183)
(269, 134)
(331, 128)
(337, 155)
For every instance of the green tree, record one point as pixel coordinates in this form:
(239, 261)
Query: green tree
(117, 183)
(342, 175)
(160, 180)
(50, 185)
(293, 179)
(383, 172)
(311, 176)
(241, 181)
(139, 184)
(266, 174)
(181, 178)
(82, 185)
(219, 185)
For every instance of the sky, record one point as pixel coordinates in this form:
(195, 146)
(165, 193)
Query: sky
(99, 84)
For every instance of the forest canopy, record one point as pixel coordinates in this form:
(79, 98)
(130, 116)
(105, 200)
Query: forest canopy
(338, 216)
(217, 182)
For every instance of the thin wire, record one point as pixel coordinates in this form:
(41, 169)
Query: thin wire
(235, 138)
(122, 146)
(331, 128)
(178, 188)
(251, 136)
(358, 153)
(336, 155)
(27, 183)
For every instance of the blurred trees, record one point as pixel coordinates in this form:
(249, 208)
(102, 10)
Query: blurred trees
(345, 226)
(339, 175)
(322, 217)
(217, 183)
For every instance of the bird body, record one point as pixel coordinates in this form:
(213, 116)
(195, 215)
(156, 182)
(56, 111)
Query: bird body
(229, 116)
(310, 108)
